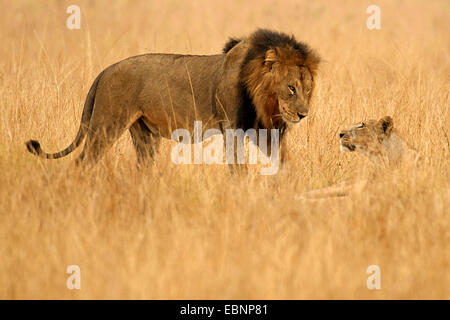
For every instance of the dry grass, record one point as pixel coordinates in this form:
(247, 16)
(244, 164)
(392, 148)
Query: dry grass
(196, 231)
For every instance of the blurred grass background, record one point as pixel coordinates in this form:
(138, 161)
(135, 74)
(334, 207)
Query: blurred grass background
(189, 232)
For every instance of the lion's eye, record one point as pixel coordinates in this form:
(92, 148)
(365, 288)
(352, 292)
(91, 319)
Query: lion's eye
(291, 89)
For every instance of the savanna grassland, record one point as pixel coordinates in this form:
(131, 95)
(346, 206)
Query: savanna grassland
(197, 231)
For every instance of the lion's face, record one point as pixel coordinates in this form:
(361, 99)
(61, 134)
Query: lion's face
(294, 92)
(367, 136)
(279, 77)
(292, 83)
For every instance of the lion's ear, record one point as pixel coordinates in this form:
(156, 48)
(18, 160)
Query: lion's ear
(386, 124)
(270, 58)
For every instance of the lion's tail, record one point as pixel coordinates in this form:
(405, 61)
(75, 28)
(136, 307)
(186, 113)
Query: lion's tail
(34, 146)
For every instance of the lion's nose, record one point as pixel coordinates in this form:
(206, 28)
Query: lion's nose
(341, 135)
(300, 116)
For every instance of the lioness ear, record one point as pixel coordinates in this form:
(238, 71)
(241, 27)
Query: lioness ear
(387, 124)
(270, 58)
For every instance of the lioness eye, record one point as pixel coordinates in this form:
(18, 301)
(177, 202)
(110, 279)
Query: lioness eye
(291, 89)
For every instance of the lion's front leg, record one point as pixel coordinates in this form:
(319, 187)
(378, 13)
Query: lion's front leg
(342, 189)
(283, 152)
(270, 152)
(232, 158)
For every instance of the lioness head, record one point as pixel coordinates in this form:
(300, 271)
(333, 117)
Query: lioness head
(366, 137)
(278, 74)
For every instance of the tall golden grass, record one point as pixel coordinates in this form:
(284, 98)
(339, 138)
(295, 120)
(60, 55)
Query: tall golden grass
(197, 231)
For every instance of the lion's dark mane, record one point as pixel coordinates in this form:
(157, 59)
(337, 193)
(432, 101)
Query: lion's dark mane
(262, 40)
(259, 42)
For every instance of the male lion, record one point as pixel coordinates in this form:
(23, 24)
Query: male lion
(262, 81)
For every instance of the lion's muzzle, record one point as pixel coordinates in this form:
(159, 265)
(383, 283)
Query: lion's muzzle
(290, 115)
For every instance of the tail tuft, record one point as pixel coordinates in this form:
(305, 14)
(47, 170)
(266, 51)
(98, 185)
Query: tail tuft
(34, 147)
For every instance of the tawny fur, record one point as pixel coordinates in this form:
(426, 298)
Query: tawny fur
(376, 139)
(265, 80)
(379, 141)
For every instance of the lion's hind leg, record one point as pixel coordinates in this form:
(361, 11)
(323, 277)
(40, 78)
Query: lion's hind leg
(145, 142)
(104, 129)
